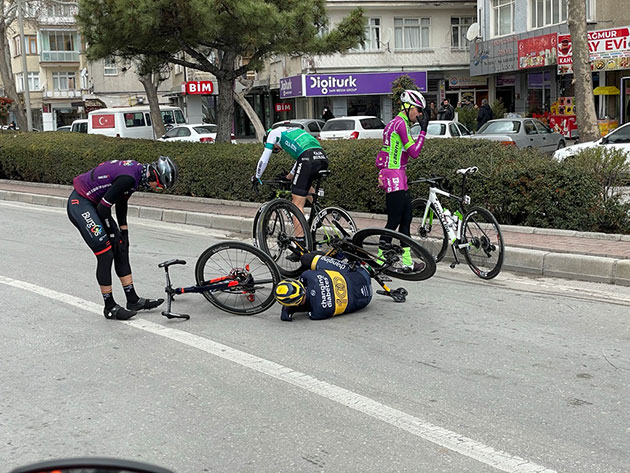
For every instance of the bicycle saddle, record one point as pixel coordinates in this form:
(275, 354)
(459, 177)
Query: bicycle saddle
(324, 173)
(470, 170)
(166, 264)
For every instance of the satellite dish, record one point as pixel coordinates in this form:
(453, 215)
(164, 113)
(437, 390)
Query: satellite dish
(387, 36)
(473, 32)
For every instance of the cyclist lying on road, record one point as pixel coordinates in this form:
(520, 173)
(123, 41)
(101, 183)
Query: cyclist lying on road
(330, 287)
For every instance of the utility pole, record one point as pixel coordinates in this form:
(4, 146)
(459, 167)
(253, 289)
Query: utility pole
(27, 92)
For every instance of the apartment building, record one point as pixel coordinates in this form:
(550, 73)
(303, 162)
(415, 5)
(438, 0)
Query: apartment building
(524, 47)
(424, 39)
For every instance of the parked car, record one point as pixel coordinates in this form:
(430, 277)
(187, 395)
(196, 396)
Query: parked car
(80, 126)
(353, 128)
(130, 122)
(199, 133)
(442, 129)
(64, 128)
(619, 139)
(313, 126)
(523, 133)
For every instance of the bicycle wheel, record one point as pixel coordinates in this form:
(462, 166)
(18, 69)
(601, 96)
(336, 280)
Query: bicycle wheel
(483, 242)
(432, 235)
(330, 223)
(255, 225)
(254, 272)
(279, 225)
(397, 255)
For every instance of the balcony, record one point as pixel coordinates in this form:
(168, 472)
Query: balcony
(59, 56)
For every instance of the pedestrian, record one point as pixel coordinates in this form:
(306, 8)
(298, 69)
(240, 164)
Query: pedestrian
(12, 126)
(327, 114)
(432, 111)
(446, 111)
(485, 114)
(398, 147)
(329, 287)
(89, 208)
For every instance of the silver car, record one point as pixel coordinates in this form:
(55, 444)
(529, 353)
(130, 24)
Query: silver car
(523, 133)
(313, 126)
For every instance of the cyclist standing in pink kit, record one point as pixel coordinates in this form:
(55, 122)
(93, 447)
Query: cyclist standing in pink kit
(391, 161)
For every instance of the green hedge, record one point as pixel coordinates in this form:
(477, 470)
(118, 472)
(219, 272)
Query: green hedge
(521, 187)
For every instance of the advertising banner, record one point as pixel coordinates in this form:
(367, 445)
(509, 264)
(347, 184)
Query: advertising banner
(538, 51)
(609, 50)
(291, 87)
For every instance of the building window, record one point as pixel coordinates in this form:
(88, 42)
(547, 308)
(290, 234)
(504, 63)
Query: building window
(459, 28)
(547, 12)
(372, 35)
(33, 81)
(30, 43)
(57, 9)
(61, 41)
(590, 10)
(412, 33)
(503, 17)
(63, 80)
(110, 68)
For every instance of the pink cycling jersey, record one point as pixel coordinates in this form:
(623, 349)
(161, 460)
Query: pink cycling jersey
(398, 147)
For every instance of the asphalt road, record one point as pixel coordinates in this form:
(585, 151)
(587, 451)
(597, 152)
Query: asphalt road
(517, 375)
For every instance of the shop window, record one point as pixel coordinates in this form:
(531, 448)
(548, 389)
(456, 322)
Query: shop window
(502, 17)
(459, 28)
(412, 33)
(547, 12)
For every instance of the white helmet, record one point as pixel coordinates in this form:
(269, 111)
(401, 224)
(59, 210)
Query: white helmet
(414, 98)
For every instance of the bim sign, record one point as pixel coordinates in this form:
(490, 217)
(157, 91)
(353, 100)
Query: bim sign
(199, 87)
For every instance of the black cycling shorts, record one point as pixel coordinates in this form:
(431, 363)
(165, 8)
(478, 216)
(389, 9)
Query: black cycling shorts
(308, 166)
(82, 213)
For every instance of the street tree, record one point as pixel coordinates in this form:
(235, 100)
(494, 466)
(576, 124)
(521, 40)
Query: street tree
(399, 85)
(582, 76)
(222, 37)
(8, 16)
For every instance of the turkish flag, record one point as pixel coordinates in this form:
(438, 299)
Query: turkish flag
(103, 121)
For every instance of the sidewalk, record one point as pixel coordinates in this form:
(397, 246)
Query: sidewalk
(566, 254)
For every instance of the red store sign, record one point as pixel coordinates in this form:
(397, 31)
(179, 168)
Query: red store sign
(283, 107)
(609, 50)
(198, 87)
(537, 52)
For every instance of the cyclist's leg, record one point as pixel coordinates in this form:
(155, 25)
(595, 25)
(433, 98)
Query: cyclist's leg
(405, 227)
(83, 215)
(394, 205)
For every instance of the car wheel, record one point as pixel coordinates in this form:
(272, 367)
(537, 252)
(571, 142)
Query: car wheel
(561, 144)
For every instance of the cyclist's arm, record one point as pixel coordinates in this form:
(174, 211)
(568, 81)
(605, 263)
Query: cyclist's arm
(272, 139)
(413, 148)
(115, 195)
(121, 212)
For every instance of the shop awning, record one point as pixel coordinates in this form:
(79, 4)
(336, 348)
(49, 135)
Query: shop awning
(606, 90)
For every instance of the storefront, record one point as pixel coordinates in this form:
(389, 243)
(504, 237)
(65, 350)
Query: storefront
(345, 94)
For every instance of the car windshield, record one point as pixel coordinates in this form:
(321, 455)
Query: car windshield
(338, 125)
(620, 135)
(436, 129)
(206, 129)
(500, 127)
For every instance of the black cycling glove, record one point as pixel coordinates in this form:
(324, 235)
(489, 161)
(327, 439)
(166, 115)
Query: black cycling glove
(423, 119)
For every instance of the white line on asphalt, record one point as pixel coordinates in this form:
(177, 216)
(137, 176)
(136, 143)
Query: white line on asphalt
(443, 437)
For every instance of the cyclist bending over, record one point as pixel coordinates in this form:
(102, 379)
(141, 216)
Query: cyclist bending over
(398, 147)
(309, 160)
(90, 210)
(329, 287)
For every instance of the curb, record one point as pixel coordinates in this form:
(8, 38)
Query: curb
(518, 260)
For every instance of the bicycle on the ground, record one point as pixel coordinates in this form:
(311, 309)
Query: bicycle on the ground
(281, 217)
(473, 232)
(382, 252)
(235, 277)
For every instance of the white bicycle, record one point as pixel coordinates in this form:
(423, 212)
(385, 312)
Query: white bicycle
(473, 232)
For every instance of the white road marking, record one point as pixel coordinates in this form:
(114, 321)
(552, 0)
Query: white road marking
(468, 447)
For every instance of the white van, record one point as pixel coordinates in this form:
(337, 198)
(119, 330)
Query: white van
(79, 126)
(130, 122)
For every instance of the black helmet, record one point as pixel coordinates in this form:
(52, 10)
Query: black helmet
(164, 171)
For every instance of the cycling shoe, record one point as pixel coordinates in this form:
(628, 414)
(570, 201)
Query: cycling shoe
(415, 268)
(118, 313)
(144, 304)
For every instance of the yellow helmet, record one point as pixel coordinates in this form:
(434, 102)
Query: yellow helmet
(290, 292)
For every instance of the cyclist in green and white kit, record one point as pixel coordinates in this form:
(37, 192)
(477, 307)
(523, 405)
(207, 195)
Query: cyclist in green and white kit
(309, 160)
